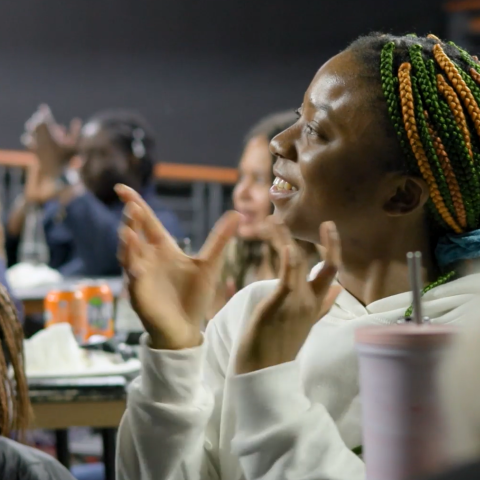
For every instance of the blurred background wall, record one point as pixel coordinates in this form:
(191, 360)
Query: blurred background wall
(201, 71)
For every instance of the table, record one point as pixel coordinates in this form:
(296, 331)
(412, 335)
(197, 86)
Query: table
(61, 403)
(32, 298)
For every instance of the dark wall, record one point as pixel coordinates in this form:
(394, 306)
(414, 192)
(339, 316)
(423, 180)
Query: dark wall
(200, 71)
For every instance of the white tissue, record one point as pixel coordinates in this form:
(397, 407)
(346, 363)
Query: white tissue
(28, 275)
(54, 352)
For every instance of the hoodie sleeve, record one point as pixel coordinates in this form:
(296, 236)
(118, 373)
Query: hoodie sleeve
(171, 426)
(282, 435)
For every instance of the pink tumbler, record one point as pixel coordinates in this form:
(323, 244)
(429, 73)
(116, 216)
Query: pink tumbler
(402, 427)
(403, 434)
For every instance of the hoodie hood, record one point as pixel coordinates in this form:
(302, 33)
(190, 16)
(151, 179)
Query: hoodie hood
(443, 304)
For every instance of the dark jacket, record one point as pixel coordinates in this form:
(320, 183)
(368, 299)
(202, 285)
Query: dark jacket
(83, 236)
(19, 462)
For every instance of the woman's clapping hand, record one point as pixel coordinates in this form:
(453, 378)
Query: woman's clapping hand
(170, 291)
(281, 323)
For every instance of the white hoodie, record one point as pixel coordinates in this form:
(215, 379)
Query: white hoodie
(190, 417)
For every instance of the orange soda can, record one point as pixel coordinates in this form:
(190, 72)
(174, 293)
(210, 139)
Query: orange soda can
(67, 306)
(99, 299)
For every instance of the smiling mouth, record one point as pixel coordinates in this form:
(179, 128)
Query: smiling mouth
(280, 185)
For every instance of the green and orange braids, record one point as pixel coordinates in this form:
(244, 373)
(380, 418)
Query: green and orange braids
(431, 90)
(432, 94)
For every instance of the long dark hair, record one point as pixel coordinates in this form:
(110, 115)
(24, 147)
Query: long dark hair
(15, 409)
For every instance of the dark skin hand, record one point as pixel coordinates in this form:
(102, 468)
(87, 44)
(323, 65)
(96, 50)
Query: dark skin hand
(335, 157)
(102, 164)
(54, 146)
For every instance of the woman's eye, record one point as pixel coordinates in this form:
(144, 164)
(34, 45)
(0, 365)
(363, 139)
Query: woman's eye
(310, 130)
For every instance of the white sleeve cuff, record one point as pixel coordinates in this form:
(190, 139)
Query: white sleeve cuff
(171, 376)
(269, 397)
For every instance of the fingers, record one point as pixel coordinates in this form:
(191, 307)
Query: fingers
(280, 239)
(75, 129)
(28, 141)
(154, 231)
(130, 252)
(285, 284)
(331, 241)
(131, 245)
(42, 134)
(218, 238)
(329, 299)
(321, 250)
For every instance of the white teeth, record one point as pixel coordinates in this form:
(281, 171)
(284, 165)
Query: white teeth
(283, 185)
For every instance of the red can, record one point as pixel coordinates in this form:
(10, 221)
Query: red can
(67, 306)
(99, 299)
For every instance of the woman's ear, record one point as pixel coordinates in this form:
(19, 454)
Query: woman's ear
(405, 195)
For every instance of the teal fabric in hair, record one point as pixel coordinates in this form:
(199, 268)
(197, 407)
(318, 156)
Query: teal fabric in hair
(453, 248)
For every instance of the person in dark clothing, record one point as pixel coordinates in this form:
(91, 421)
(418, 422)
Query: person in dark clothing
(20, 462)
(81, 209)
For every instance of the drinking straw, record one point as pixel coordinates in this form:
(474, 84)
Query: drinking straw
(414, 260)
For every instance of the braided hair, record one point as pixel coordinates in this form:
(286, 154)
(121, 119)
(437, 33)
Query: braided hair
(432, 94)
(132, 134)
(15, 409)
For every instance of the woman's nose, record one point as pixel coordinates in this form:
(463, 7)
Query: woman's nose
(283, 145)
(242, 190)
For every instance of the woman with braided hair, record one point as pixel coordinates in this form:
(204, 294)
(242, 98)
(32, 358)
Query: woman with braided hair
(384, 156)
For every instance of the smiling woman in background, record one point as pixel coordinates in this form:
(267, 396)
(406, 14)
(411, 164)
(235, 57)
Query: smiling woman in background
(251, 255)
(82, 213)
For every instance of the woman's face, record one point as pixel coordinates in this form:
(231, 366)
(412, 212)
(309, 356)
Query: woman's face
(103, 163)
(328, 165)
(251, 194)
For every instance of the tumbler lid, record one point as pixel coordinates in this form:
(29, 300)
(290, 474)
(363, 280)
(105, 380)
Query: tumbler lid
(406, 335)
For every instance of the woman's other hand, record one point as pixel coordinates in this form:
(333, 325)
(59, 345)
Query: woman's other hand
(170, 291)
(281, 323)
